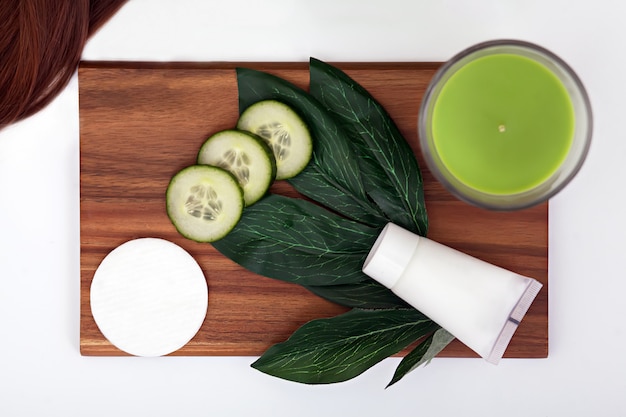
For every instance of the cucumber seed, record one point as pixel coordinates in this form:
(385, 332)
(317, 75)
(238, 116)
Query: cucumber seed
(203, 203)
(278, 138)
(236, 162)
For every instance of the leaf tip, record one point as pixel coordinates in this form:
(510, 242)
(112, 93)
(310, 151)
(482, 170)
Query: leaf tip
(392, 382)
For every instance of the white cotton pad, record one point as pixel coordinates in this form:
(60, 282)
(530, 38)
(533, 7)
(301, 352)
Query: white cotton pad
(149, 297)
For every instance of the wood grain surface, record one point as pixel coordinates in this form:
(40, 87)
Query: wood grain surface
(142, 122)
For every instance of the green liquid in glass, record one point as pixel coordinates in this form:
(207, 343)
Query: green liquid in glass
(503, 124)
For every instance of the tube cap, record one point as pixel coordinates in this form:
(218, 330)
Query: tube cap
(390, 254)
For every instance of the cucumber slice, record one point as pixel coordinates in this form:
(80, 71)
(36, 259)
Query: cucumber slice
(244, 155)
(285, 132)
(204, 202)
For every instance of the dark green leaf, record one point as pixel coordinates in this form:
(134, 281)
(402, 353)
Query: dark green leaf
(340, 348)
(363, 169)
(366, 294)
(297, 241)
(422, 354)
(332, 178)
(389, 168)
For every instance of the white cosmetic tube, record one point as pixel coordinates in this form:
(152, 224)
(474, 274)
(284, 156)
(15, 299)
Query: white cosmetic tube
(479, 303)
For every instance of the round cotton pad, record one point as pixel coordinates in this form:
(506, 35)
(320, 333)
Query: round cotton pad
(149, 297)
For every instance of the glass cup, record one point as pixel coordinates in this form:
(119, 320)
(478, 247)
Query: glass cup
(567, 169)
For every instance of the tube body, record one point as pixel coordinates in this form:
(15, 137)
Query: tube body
(479, 303)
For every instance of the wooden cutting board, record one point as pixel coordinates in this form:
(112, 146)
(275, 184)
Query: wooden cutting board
(142, 122)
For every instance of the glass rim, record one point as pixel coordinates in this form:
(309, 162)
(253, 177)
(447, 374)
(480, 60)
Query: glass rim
(542, 192)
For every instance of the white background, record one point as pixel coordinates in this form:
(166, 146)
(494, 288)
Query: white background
(41, 370)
